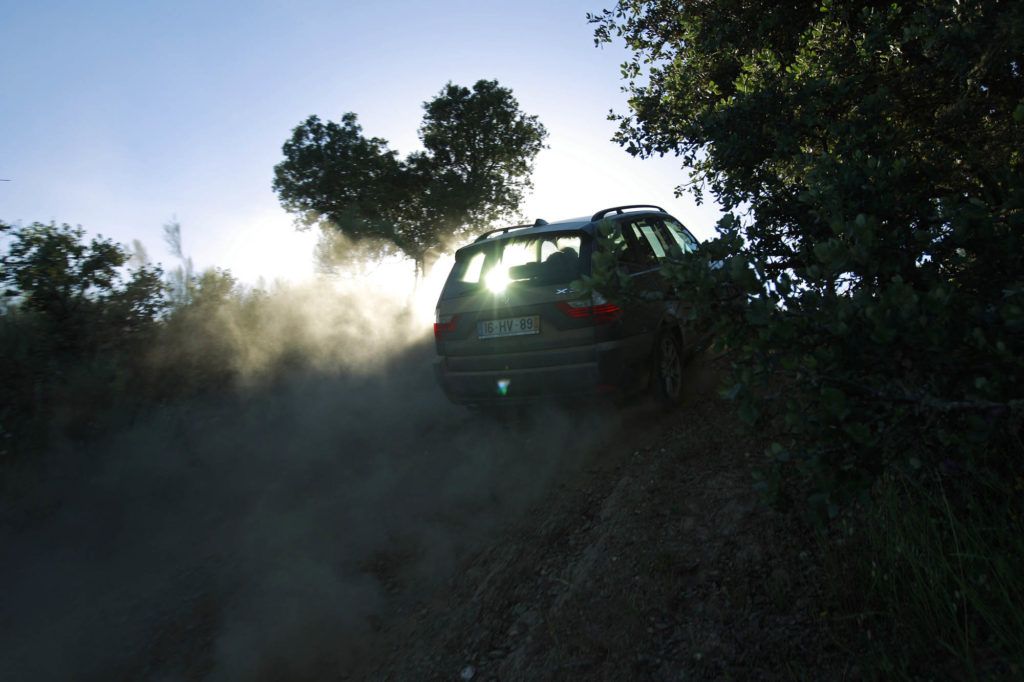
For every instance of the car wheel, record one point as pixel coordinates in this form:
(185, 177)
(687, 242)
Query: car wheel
(667, 373)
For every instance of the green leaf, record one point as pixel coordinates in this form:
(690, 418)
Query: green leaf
(859, 432)
(834, 401)
(749, 412)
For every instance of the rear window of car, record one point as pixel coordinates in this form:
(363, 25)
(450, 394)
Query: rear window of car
(548, 259)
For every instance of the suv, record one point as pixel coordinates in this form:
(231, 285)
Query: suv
(510, 327)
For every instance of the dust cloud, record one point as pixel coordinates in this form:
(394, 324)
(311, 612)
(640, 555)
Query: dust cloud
(266, 531)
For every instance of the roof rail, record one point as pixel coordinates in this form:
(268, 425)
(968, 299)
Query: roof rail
(622, 209)
(505, 230)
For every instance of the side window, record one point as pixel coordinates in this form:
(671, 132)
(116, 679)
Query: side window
(654, 238)
(471, 274)
(547, 248)
(681, 236)
(638, 253)
(613, 239)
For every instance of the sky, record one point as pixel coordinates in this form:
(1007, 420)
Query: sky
(123, 116)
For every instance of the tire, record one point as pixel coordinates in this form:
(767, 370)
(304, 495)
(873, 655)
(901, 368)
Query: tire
(667, 369)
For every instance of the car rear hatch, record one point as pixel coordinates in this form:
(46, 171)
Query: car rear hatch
(509, 323)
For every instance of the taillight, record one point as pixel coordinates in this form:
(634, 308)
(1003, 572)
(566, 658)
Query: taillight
(576, 308)
(597, 308)
(444, 324)
(606, 312)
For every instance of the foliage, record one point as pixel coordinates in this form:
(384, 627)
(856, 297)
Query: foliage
(934, 564)
(333, 174)
(52, 272)
(72, 314)
(85, 342)
(478, 155)
(869, 161)
(178, 280)
(870, 294)
(86, 345)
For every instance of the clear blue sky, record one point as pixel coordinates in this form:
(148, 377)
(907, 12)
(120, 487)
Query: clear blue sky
(121, 116)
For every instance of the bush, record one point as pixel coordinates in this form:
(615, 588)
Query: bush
(72, 317)
(936, 564)
(868, 158)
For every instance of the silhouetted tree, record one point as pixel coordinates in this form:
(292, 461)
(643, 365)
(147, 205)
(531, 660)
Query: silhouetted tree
(73, 285)
(868, 157)
(73, 324)
(478, 154)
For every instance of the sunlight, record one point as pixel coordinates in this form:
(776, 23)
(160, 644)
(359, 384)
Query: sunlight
(270, 249)
(497, 279)
(267, 247)
(394, 278)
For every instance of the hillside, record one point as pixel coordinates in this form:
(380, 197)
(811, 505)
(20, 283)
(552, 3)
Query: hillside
(360, 528)
(654, 561)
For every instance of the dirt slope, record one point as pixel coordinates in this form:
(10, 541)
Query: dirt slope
(654, 562)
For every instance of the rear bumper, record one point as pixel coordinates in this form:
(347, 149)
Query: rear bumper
(601, 371)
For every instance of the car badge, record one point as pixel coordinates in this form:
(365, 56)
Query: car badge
(567, 290)
(508, 300)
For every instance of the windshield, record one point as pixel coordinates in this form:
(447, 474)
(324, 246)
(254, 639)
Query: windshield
(547, 259)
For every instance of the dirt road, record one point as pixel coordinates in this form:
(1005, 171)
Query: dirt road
(360, 528)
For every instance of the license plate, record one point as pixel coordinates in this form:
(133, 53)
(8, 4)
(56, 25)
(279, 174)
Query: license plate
(509, 326)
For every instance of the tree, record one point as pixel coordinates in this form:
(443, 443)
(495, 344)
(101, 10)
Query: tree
(868, 157)
(73, 285)
(73, 324)
(475, 168)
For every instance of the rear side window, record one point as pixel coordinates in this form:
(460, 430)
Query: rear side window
(638, 252)
(473, 269)
(654, 238)
(548, 259)
(682, 237)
